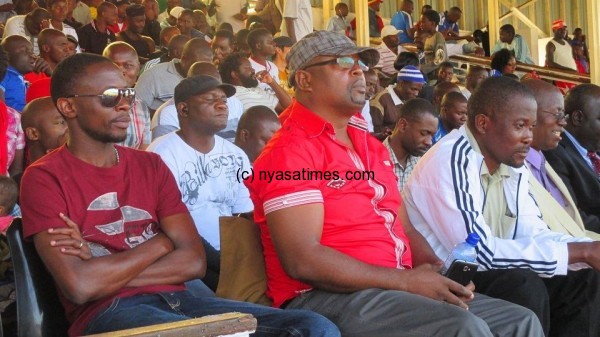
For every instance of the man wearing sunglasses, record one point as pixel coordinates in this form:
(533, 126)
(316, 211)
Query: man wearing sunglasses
(127, 206)
(342, 246)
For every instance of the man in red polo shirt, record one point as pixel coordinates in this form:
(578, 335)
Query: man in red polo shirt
(340, 245)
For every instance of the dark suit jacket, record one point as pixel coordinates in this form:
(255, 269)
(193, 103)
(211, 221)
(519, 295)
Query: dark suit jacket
(581, 180)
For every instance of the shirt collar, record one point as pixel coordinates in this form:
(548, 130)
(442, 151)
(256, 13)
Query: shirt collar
(535, 158)
(395, 98)
(315, 125)
(582, 150)
(410, 160)
(503, 170)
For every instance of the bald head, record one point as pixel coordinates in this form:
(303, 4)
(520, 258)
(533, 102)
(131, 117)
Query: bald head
(442, 89)
(125, 56)
(176, 46)
(19, 52)
(49, 34)
(45, 128)
(167, 34)
(550, 114)
(204, 68)
(256, 127)
(118, 47)
(54, 46)
(195, 50)
(13, 42)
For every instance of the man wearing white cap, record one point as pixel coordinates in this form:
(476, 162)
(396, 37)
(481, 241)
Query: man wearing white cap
(385, 105)
(559, 54)
(388, 50)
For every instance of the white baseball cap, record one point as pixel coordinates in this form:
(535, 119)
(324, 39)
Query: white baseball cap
(176, 11)
(389, 30)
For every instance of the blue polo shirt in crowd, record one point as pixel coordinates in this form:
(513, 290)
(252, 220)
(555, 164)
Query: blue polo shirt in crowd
(445, 25)
(14, 87)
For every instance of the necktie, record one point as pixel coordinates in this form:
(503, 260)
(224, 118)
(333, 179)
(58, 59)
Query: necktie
(595, 159)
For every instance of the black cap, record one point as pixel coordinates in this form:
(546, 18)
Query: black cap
(197, 85)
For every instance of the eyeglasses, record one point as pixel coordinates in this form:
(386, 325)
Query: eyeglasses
(559, 116)
(112, 96)
(346, 62)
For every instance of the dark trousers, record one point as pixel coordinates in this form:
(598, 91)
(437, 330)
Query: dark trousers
(566, 305)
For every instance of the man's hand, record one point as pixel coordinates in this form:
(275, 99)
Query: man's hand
(41, 66)
(74, 244)
(425, 280)
(263, 76)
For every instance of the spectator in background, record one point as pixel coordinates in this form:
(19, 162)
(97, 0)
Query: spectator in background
(201, 24)
(402, 20)
(475, 75)
(54, 47)
(28, 26)
(45, 128)
(411, 137)
(434, 47)
(579, 38)
(583, 67)
(504, 62)
(233, 12)
(559, 54)
(338, 22)
(388, 50)
(171, 20)
(513, 42)
(448, 25)
(152, 26)
(262, 48)
(297, 19)
(95, 36)
(222, 45)
(170, 5)
(283, 44)
(256, 127)
(121, 23)
(241, 42)
(173, 51)
(385, 105)
(453, 114)
(58, 10)
(185, 23)
(126, 58)
(136, 20)
(21, 61)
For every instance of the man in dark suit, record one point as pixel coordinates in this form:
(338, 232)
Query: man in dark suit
(576, 158)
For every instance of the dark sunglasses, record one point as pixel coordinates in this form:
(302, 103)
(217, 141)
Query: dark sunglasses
(112, 96)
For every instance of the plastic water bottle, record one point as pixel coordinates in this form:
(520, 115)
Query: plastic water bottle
(464, 251)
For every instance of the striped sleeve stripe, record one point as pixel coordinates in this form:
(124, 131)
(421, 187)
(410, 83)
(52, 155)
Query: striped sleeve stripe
(465, 204)
(293, 199)
(359, 123)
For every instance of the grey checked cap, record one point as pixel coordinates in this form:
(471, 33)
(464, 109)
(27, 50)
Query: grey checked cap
(326, 43)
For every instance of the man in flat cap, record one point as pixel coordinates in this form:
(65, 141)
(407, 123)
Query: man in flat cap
(335, 238)
(141, 237)
(136, 21)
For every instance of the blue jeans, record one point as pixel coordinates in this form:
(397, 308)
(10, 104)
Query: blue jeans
(144, 310)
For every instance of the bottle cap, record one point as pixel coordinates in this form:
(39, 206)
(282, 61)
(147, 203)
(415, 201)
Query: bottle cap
(473, 239)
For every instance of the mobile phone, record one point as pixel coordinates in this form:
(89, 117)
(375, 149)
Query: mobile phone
(461, 271)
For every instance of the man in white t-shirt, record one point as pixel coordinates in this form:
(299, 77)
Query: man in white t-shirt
(205, 165)
(262, 47)
(297, 18)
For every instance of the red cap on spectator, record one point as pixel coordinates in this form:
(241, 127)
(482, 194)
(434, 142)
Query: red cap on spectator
(558, 24)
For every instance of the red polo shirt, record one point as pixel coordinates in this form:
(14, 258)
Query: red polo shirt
(361, 216)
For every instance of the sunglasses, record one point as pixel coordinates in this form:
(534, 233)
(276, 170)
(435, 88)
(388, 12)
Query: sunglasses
(112, 96)
(345, 62)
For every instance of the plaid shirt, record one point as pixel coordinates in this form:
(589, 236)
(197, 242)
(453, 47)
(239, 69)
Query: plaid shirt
(15, 138)
(401, 172)
(138, 132)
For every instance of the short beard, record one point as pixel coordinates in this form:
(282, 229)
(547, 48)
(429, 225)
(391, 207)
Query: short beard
(103, 137)
(249, 82)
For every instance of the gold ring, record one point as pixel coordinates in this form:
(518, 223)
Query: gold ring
(80, 244)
